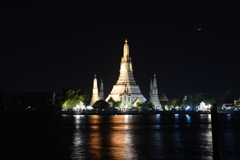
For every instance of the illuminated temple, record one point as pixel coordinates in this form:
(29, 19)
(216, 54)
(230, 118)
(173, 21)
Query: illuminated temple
(153, 97)
(126, 90)
(95, 95)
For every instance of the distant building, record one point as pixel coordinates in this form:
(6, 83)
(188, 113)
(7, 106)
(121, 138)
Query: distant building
(164, 101)
(203, 107)
(28, 100)
(164, 98)
(185, 101)
(227, 99)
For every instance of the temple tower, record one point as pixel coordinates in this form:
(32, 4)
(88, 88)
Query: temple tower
(153, 97)
(185, 98)
(95, 96)
(101, 93)
(126, 89)
(151, 88)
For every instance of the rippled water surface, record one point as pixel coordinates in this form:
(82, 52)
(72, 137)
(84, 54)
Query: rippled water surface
(150, 137)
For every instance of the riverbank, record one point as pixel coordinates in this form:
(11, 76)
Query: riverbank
(107, 112)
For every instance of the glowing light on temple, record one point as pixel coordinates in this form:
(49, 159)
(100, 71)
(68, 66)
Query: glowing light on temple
(126, 90)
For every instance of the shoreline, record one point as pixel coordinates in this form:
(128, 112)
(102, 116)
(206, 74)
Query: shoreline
(108, 113)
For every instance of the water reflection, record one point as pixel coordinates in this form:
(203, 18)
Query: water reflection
(229, 116)
(188, 118)
(126, 120)
(105, 137)
(176, 115)
(113, 141)
(158, 146)
(121, 139)
(77, 121)
(205, 142)
(142, 137)
(95, 138)
(209, 116)
(79, 139)
(177, 140)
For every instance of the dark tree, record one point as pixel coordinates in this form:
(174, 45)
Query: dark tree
(117, 104)
(146, 105)
(68, 98)
(195, 99)
(101, 104)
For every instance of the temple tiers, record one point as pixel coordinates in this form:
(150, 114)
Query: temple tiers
(126, 89)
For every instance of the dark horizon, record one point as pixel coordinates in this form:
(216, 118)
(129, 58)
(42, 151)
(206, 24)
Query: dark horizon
(190, 46)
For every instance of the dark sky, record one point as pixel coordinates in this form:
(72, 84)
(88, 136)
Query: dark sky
(50, 46)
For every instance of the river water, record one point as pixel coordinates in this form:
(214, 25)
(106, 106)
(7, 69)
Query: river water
(118, 137)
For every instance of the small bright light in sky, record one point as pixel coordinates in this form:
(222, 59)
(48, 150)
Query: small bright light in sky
(199, 29)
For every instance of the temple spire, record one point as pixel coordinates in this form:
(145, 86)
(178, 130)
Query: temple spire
(151, 87)
(155, 90)
(94, 91)
(126, 49)
(154, 93)
(185, 97)
(126, 90)
(126, 71)
(95, 81)
(101, 93)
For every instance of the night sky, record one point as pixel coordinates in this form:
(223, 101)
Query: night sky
(50, 46)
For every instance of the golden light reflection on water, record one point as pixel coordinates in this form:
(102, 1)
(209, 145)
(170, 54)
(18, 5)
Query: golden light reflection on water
(121, 137)
(95, 138)
(121, 140)
(118, 138)
(94, 121)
